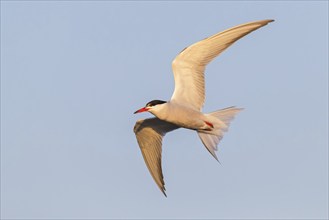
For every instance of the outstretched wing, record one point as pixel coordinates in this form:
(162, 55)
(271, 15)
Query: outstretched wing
(189, 65)
(149, 133)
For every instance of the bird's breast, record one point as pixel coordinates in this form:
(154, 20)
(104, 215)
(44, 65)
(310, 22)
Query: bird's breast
(183, 116)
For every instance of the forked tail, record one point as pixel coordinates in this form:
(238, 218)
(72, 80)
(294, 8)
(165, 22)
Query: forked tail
(221, 120)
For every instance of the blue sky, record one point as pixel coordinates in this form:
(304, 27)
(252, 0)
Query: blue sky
(73, 72)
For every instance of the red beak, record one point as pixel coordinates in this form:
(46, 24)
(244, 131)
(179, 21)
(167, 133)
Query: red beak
(144, 109)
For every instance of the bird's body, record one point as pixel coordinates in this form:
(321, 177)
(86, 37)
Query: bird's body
(181, 115)
(183, 110)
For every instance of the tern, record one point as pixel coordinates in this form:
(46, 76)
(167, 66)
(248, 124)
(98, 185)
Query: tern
(184, 109)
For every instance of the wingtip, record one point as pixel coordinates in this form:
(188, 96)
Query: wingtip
(164, 193)
(219, 162)
(264, 22)
(215, 156)
(269, 21)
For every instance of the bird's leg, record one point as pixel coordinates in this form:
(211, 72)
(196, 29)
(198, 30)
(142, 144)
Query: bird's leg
(210, 125)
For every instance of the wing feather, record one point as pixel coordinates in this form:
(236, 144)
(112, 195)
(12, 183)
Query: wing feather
(149, 133)
(189, 65)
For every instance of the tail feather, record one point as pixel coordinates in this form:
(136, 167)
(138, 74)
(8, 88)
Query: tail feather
(210, 142)
(226, 115)
(221, 120)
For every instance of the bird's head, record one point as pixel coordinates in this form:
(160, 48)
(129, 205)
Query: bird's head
(152, 106)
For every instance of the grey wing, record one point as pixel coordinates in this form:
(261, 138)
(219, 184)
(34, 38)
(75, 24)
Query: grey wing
(190, 64)
(149, 133)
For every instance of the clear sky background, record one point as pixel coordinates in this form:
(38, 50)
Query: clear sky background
(73, 73)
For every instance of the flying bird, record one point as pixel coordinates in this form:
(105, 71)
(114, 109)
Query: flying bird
(184, 109)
